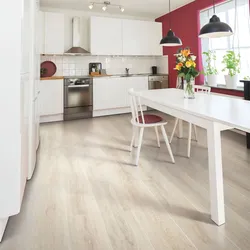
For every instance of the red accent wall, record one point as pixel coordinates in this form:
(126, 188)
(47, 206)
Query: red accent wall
(186, 25)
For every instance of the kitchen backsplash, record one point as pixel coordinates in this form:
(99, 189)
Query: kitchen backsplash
(79, 65)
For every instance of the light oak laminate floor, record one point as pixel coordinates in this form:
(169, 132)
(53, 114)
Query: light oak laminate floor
(86, 195)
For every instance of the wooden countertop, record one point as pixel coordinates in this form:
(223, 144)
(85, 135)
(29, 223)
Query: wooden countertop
(52, 78)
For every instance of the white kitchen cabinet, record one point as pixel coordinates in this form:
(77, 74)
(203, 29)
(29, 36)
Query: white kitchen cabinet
(135, 37)
(110, 94)
(105, 36)
(155, 31)
(138, 83)
(51, 97)
(40, 32)
(53, 33)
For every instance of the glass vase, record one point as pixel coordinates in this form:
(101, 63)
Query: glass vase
(189, 89)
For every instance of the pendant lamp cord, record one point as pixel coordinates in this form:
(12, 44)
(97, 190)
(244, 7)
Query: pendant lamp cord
(214, 6)
(169, 15)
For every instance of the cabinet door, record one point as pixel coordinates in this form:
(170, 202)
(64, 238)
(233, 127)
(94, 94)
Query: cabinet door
(51, 97)
(109, 93)
(137, 83)
(105, 36)
(155, 31)
(26, 37)
(135, 37)
(54, 33)
(40, 32)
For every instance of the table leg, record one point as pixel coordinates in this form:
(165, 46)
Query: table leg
(215, 174)
(180, 127)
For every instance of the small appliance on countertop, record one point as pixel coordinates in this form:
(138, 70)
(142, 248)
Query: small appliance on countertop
(154, 70)
(95, 69)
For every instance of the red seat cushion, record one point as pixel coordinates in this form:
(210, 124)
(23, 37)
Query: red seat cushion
(149, 119)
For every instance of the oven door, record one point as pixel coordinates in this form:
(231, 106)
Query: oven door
(78, 96)
(78, 101)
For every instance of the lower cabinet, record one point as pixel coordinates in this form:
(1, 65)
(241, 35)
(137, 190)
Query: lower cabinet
(110, 95)
(51, 100)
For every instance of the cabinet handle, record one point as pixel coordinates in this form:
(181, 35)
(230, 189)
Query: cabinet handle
(79, 86)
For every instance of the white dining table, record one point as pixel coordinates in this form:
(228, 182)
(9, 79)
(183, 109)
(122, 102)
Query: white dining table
(214, 113)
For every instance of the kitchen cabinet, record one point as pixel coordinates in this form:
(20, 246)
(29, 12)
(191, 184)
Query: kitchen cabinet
(136, 39)
(40, 35)
(141, 37)
(105, 36)
(51, 33)
(51, 97)
(155, 31)
(110, 94)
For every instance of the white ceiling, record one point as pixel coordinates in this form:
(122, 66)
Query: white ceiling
(142, 8)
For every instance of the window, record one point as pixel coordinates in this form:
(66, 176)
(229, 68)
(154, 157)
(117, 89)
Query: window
(236, 14)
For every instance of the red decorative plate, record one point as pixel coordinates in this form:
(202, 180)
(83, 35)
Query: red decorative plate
(50, 68)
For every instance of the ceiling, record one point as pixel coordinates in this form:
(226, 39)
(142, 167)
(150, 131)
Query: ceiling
(140, 8)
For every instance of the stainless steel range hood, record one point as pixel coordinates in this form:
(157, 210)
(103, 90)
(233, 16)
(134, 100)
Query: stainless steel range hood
(77, 49)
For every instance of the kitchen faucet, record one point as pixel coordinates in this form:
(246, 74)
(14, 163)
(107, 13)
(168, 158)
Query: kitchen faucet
(127, 71)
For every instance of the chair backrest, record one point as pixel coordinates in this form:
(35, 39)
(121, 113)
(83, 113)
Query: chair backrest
(203, 89)
(136, 107)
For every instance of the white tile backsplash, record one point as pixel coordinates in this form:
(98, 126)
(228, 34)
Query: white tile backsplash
(79, 65)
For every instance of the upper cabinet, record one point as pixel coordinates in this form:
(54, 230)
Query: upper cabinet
(105, 36)
(51, 35)
(111, 36)
(155, 36)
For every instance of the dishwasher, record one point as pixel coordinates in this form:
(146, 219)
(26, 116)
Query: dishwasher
(78, 98)
(157, 82)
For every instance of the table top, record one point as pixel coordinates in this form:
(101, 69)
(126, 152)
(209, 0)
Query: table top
(230, 111)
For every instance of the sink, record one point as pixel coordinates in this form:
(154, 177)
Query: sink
(129, 75)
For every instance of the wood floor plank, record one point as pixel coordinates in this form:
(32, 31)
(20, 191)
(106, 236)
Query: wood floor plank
(86, 194)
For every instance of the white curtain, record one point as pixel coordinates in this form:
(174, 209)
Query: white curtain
(236, 14)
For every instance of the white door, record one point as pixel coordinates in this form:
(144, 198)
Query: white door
(105, 36)
(54, 33)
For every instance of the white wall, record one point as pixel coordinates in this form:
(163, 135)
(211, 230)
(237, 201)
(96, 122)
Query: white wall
(85, 33)
(79, 65)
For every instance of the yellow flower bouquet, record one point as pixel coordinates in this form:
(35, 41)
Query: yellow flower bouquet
(186, 68)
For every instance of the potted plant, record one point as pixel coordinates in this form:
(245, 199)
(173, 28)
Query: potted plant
(186, 68)
(210, 71)
(232, 66)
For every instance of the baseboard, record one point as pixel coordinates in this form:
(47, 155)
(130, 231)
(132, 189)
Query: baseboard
(51, 118)
(3, 223)
(117, 111)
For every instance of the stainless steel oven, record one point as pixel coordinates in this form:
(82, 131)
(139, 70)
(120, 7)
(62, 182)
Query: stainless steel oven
(78, 98)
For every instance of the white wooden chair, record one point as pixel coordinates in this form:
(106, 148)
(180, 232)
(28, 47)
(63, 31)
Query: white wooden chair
(140, 121)
(197, 88)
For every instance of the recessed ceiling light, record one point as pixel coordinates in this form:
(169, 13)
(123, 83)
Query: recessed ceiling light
(122, 9)
(104, 8)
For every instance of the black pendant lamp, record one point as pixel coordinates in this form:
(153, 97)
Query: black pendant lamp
(215, 28)
(170, 40)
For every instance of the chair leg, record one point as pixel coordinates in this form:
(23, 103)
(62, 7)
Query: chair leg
(175, 126)
(139, 146)
(157, 136)
(133, 139)
(189, 139)
(195, 133)
(167, 143)
(136, 137)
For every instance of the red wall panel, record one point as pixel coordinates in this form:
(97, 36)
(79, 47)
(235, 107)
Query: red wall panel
(185, 24)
